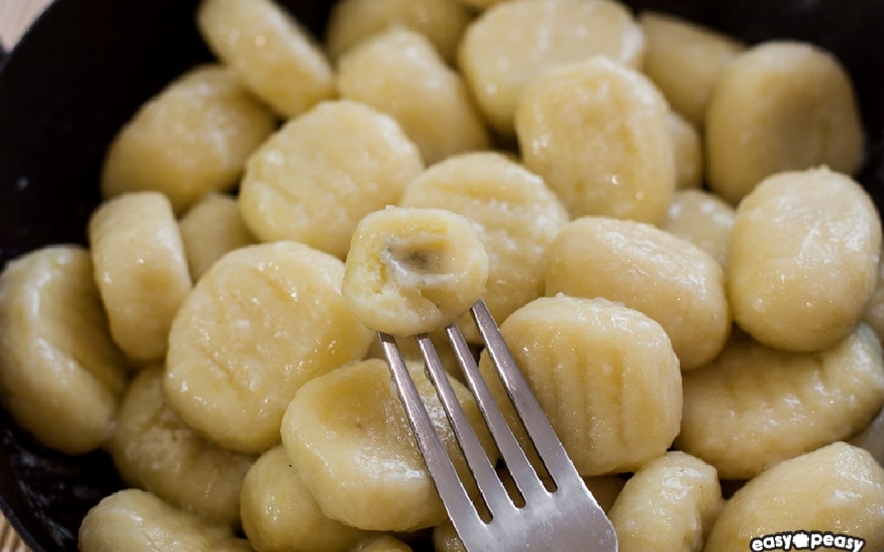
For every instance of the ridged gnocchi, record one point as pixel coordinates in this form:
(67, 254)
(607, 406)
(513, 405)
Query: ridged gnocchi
(605, 375)
(755, 406)
(154, 450)
(262, 322)
(599, 134)
(307, 184)
(623, 260)
(513, 211)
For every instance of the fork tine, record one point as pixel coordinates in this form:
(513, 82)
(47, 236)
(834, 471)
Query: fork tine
(525, 476)
(480, 465)
(540, 431)
(451, 489)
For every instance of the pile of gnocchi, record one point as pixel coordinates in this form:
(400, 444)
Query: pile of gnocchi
(663, 219)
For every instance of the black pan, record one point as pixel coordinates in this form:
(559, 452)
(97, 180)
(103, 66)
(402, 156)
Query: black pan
(84, 68)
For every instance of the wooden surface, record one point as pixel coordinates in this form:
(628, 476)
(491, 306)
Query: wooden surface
(15, 16)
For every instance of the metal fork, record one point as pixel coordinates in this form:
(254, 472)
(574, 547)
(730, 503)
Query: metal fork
(564, 519)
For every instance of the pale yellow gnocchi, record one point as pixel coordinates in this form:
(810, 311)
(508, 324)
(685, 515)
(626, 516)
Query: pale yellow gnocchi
(269, 51)
(667, 278)
(135, 520)
(411, 271)
(605, 375)
(210, 229)
(191, 139)
(808, 117)
(703, 219)
(512, 42)
(140, 268)
(352, 21)
(262, 322)
(347, 434)
(669, 505)
(279, 513)
(599, 134)
(154, 450)
(837, 489)
(399, 73)
(803, 259)
(61, 375)
(685, 60)
(755, 406)
(513, 211)
(306, 183)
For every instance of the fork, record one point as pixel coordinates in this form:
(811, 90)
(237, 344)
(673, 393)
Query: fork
(564, 519)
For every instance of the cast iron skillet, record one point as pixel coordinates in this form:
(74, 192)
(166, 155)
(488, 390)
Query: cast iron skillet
(88, 64)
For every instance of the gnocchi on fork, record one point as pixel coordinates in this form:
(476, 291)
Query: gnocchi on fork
(562, 515)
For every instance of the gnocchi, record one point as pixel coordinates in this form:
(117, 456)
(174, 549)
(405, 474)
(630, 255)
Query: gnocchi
(514, 213)
(62, 377)
(621, 260)
(605, 375)
(412, 271)
(141, 271)
(803, 259)
(755, 406)
(268, 51)
(133, 519)
(845, 496)
(599, 134)
(154, 450)
(347, 433)
(637, 207)
(306, 184)
(191, 139)
(261, 323)
(512, 42)
(809, 117)
(399, 73)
